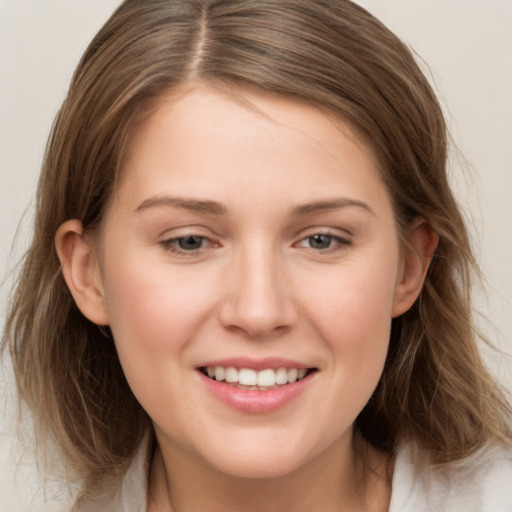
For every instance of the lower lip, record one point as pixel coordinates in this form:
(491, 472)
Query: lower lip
(256, 401)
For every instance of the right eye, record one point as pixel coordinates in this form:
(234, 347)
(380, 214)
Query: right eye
(189, 245)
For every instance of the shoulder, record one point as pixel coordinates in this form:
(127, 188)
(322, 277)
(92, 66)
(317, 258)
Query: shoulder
(482, 483)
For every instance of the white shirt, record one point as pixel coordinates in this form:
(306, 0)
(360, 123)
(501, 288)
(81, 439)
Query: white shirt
(483, 484)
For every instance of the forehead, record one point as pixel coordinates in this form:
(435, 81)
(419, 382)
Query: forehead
(203, 137)
(220, 105)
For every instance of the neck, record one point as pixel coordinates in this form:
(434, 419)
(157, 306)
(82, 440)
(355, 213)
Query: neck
(338, 480)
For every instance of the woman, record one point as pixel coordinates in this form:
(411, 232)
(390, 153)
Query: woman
(249, 282)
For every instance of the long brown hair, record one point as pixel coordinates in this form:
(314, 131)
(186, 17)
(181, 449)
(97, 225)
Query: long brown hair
(435, 391)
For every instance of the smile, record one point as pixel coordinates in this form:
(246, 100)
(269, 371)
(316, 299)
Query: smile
(250, 379)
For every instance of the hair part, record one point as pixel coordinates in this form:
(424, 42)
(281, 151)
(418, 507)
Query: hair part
(435, 390)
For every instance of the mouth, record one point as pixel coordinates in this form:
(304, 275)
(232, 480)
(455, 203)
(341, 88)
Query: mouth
(256, 380)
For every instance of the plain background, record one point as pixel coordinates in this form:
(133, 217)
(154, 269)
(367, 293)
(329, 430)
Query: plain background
(468, 47)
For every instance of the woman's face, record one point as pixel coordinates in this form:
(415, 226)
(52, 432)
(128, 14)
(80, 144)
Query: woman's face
(257, 244)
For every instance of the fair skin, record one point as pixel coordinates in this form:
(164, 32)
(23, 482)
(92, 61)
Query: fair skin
(255, 238)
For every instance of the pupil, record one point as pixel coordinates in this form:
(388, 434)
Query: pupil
(190, 242)
(320, 241)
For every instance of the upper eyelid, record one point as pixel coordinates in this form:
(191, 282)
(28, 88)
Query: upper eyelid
(187, 230)
(339, 238)
(171, 246)
(339, 235)
(324, 230)
(169, 239)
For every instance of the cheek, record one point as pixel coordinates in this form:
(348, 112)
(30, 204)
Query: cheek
(353, 314)
(154, 315)
(153, 307)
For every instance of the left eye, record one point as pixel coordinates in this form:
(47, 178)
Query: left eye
(320, 241)
(191, 243)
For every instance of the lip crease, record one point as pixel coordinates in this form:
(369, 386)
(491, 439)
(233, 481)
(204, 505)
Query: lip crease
(255, 401)
(255, 364)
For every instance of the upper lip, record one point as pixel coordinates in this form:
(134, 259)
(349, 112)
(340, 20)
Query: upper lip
(255, 363)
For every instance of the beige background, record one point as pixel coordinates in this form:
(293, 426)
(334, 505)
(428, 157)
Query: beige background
(468, 47)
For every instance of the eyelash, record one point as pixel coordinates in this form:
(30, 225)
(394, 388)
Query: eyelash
(335, 243)
(173, 245)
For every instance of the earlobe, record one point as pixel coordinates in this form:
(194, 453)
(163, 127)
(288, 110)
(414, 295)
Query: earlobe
(416, 258)
(80, 269)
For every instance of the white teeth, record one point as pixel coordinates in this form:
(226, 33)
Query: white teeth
(267, 378)
(293, 374)
(247, 377)
(231, 374)
(282, 376)
(219, 373)
(253, 379)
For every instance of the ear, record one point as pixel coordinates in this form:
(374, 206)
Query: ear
(81, 271)
(417, 254)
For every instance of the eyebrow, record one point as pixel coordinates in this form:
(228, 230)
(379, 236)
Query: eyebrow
(329, 205)
(195, 205)
(215, 208)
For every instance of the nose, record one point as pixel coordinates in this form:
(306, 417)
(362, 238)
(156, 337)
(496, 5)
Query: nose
(258, 299)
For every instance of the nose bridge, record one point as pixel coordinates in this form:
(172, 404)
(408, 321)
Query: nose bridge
(258, 300)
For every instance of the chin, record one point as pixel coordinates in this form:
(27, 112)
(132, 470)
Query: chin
(259, 462)
(269, 468)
